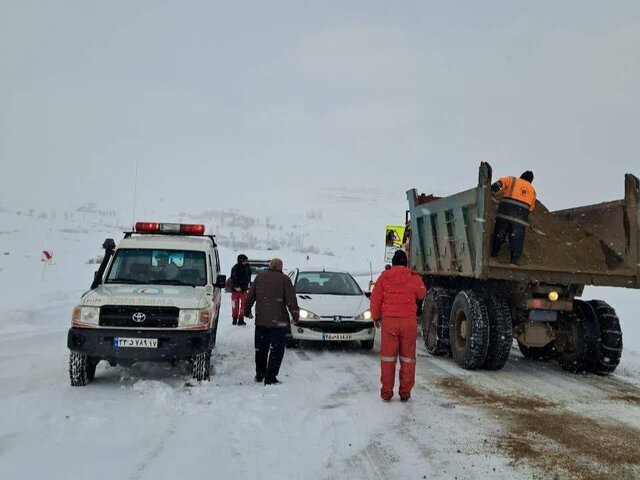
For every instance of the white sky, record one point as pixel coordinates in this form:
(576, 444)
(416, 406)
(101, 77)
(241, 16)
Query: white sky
(233, 103)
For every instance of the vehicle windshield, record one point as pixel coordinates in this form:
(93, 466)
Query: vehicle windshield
(165, 267)
(257, 268)
(327, 283)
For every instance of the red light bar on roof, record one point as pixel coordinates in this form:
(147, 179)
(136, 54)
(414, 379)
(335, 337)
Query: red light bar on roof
(170, 228)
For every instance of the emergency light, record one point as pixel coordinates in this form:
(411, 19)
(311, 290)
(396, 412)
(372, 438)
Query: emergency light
(170, 228)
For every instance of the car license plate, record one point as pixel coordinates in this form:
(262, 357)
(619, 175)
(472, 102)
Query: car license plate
(136, 342)
(336, 336)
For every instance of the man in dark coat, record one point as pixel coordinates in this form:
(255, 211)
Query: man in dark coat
(240, 280)
(275, 297)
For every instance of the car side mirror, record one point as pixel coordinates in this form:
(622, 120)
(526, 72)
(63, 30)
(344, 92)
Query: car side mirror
(367, 294)
(221, 281)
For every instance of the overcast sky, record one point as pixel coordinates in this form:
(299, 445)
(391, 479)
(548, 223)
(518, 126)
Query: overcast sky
(259, 97)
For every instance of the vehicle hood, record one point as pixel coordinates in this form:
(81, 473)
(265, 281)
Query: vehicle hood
(331, 305)
(159, 295)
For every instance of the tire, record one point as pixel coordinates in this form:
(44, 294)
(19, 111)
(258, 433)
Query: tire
(541, 354)
(610, 337)
(435, 321)
(82, 369)
(366, 344)
(469, 329)
(584, 340)
(500, 332)
(291, 342)
(201, 366)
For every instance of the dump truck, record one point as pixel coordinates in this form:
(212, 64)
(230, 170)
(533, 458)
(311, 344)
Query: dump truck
(476, 304)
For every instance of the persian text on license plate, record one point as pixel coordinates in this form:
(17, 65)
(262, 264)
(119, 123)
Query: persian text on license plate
(136, 342)
(337, 336)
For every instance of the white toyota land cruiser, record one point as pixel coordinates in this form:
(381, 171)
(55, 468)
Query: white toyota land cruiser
(155, 297)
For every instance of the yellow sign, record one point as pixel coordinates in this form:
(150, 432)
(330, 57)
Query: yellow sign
(394, 239)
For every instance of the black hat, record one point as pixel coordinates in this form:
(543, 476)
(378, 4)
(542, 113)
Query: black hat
(242, 257)
(399, 258)
(528, 176)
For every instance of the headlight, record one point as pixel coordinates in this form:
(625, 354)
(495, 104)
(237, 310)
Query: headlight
(88, 315)
(307, 315)
(366, 315)
(193, 317)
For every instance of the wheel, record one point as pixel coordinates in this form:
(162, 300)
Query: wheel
(366, 344)
(500, 334)
(469, 329)
(201, 366)
(291, 342)
(582, 346)
(610, 337)
(435, 321)
(82, 369)
(542, 354)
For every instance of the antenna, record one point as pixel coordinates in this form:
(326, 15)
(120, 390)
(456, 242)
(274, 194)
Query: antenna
(135, 191)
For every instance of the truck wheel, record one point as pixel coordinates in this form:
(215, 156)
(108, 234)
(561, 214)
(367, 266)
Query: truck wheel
(469, 329)
(582, 351)
(500, 334)
(541, 354)
(435, 321)
(201, 366)
(82, 369)
(366, 344)
(291, 342)
(610, 336)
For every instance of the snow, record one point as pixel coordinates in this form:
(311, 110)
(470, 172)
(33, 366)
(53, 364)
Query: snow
(325, 420)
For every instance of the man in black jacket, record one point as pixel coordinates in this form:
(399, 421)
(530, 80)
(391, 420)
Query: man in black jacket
(240, 280)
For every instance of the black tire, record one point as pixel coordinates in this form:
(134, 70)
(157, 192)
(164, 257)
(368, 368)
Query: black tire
(435, 321)
(366, 344)
(583, 350)
(291, 342)
(82, 369)
(610, 337)
(500, 332)
(469, 329)
(201, 366)
(541, 354)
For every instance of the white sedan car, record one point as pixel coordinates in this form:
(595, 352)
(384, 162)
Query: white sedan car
(333, 307)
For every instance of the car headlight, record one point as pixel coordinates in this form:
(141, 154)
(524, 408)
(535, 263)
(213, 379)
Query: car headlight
(88, 315)
(307, 315)
(190, 317)
(366, 315)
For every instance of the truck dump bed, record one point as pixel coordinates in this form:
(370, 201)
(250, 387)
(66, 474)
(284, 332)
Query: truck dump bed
(589, 245)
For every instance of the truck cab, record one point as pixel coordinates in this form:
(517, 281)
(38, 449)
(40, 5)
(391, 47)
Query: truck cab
(155, 297)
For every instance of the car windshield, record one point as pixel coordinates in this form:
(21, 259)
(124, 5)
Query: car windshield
(165, 267)
(327, 283)
(257, 268)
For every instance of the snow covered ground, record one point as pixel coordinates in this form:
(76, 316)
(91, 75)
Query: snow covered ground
(324, 421)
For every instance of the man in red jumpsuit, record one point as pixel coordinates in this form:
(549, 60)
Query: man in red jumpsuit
(393, 304)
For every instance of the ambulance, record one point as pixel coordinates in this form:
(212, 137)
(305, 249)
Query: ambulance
(155, 297)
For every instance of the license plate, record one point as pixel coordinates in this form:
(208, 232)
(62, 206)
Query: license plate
(336, 336)
(136, 342)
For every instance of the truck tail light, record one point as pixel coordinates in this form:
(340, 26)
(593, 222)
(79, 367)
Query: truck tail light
(192, 229)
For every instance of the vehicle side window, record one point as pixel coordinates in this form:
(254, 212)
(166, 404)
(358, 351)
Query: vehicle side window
(217, 262)
(211, 275)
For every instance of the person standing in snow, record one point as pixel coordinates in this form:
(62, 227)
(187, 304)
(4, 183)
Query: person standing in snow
(393, 306)
(274, 297)
(240, 280)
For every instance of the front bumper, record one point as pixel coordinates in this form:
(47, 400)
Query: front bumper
(172, 345)
(327, 330)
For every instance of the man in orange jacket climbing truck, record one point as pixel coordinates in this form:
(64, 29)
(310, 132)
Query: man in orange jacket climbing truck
(393, 304)
(518, 199)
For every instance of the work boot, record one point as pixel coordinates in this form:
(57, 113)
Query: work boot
(516, 260)
(241, 322)
(271, 381)
(405, 398)
(235, 321)
(386, 398)
(259, 378)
